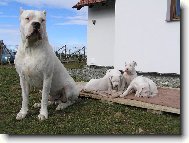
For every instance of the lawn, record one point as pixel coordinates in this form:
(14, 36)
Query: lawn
(87, 116)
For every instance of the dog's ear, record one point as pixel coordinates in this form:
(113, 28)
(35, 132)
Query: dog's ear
(134, 63)
(45, 13)
(108, 70)
(125, 64)
(121, 71)
(21, 10)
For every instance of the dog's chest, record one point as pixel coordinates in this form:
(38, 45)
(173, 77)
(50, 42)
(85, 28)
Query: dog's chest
(128, 78)
(32, 69)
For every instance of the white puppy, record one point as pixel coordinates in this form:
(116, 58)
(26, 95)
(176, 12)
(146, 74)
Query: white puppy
(130, 72)
(38, 66)
(116, 79)
(143, 86)
(112, 80)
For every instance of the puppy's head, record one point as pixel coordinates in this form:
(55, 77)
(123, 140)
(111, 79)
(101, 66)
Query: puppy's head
(111, 72)
(32, 25)
(130, 68)
(115, 81)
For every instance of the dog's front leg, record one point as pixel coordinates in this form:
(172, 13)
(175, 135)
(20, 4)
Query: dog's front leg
(25, 93)
(127, 91)
(109, 87)
(123, 85)
(44, 101)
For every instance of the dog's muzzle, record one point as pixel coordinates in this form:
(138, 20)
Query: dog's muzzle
(115, 88)
(36, 25)
(36, 31)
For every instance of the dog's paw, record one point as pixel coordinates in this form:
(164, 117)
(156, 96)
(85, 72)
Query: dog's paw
(59, 107)
(138, 95)
(122, 95)
(37, 105)
(42, 117)
(20, 116)
(62, 106)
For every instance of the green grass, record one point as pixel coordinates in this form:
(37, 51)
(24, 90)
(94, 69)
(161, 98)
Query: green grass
(75, 65)
(87, 116)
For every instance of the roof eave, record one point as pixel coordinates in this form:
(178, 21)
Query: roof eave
(80, 5)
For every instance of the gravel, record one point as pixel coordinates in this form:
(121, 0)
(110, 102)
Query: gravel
(87, 73)
(166, 81)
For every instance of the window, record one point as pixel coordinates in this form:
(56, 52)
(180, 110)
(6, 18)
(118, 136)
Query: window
(173, 10)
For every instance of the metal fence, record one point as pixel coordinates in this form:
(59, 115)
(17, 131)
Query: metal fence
(66, 54)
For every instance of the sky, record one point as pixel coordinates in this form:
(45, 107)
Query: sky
(65, 25)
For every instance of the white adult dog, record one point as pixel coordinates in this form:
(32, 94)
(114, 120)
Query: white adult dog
(130, 72)
(37, 65)
(112, 80)
(143, 86)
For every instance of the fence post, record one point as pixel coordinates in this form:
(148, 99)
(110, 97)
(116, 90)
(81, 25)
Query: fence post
(65, 52)
(84, 52)
(60, 55)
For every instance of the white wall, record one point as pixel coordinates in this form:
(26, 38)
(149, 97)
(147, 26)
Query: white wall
(101, 36)
(143, 35)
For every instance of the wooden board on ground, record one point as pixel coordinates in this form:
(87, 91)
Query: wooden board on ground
(168, 100)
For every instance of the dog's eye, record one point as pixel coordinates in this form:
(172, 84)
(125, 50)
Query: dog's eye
(42, 20)
(27, 18)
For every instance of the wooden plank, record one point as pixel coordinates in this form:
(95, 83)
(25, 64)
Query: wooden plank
(130, 102)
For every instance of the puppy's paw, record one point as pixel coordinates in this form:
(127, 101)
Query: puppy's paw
(137, 95)
(37, 105)
(122, 96)
(42, 117)
(21, 116)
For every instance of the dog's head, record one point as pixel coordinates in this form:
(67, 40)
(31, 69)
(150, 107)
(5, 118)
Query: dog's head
(32, 25)
(111, 72)
(130, 68)
(116, 81)
(115, 77)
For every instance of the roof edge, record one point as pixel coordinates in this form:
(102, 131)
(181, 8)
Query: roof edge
(89, 3)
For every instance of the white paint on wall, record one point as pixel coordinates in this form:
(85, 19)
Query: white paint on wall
(101, 36)
(143, 35)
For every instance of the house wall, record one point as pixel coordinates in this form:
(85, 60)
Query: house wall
(143, 35)
(101, 36)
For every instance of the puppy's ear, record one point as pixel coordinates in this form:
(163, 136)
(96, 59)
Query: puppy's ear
(21, 10)
(45, 13)
(121, 71)
(125, 64)
(134, 63)
(108, 71)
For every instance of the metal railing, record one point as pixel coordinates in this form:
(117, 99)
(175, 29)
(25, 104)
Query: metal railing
(65, 55)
